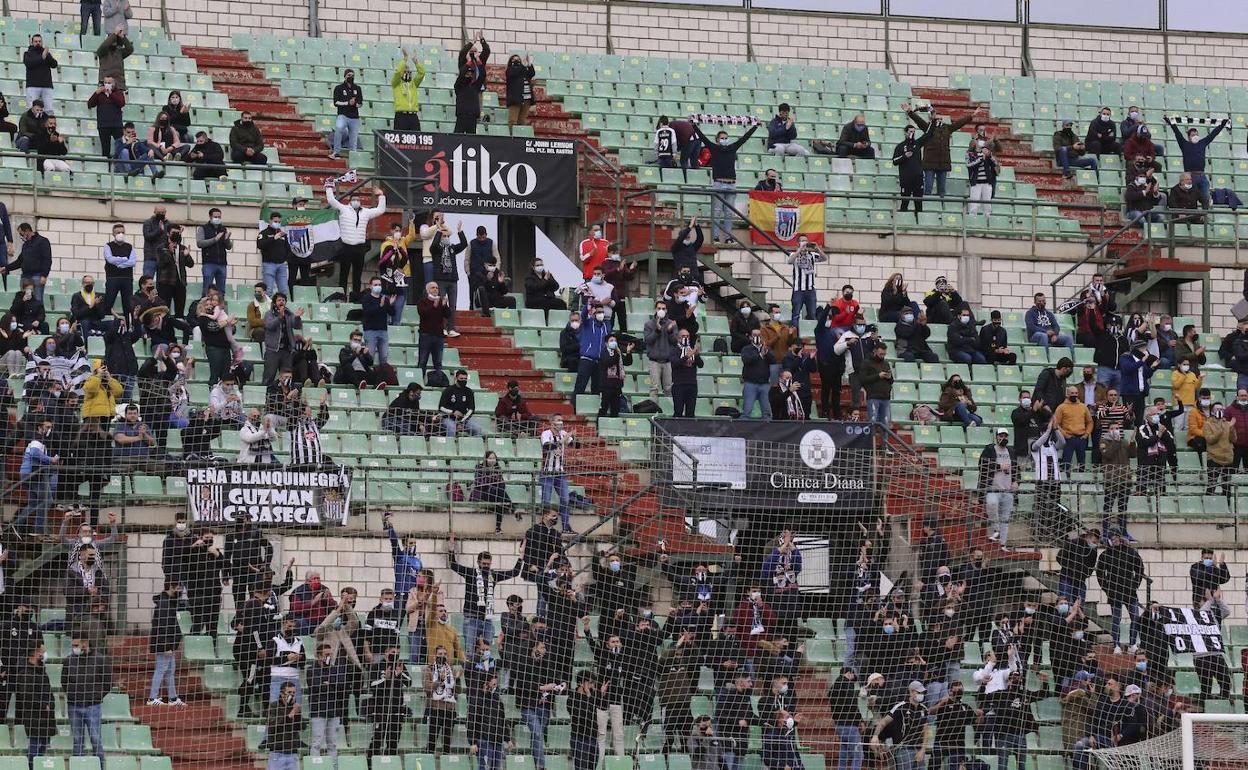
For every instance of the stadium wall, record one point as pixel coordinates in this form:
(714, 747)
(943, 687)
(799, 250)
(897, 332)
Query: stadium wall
(924, 52)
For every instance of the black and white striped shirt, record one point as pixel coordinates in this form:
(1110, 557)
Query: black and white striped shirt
(803, 263)
(303, 436)
(554, 448)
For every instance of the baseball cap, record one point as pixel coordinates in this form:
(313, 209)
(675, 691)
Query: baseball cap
(917, 686)
(876, 677)
(1003, 431)
(1132, 689)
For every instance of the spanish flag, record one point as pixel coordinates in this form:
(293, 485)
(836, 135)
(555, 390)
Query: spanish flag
(786, 215)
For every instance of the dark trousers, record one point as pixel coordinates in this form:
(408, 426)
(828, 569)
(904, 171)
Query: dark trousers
(300, 275)
(174, 295)
(1240, 459)
(89, 12)
(218, 364)
(406, 121)
(108, 137)
(205, 605)
(238, 156)
(115, 286)
(441, 721)
(386, 730)
(1137, 404)
(830, 374)
(1212, 669)
(465, 124)
(430, 345)
(274, 362)
(351, 259)
(684, 400)
(586, 375)
(1218, 475)
(610, 403)
(912, 190)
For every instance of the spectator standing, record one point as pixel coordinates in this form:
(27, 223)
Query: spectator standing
(982, 170)
(877, 380)
(163, 642)
(855, 140)
(39, 63)
(723, 179)
(353, 220)
(1074, 421)
(612, 372)
(908, 158)
(284, 722)
(489, 732)
(445, 270)
(246, 142)
(782, 134)
(804, 260)
(468, 86)
(1102, 136)
(1207, 576)
(214, 242)
(905, 723)
(1116, 451)
(554, 476)
(116, 13)
(34, 260)
(108, 101)
(480, 583)
(1137, 369)
(406, 87)
(280, 329)
(35, 702)
(119, 260)
(112, 54)
(1194, 151)
(685, 362)
(685, 246)
(327, 690)
(659, 337)
(1120, 570)
(375, 319)
(519, 78)
(665, 143)
(1042, 326)
(155, 236)
(618, 274)
(1220, 437)
(999, 476)
(757, 361)
(1077, 560)
(348, 98)
(434, 310)
(937, 159)
(275, 255)
(592, 337)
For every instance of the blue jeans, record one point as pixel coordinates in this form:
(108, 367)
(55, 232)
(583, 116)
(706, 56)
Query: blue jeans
(1077, 446)
(378, 341)
(904, 758)
(276, 277)
(35, 747)
(351, 128)
(804, 299)
(1108, 376)
(1133, 611)
(559, 483)
(282, 761)
(537, 720)
(431, 345)
(880, 410)
(1082, 760)
(416, 653)
(489, 755)
(1072, 589)
(968, 357)
(1042, 339)
(1148, 216)
(1011, 743)
(721, 215)
(453, 427)
(166, 664)
(732, 760)
(966, 415)
(934, 179)
(477, 628)
(39, 489)
(214, 277)
(86, 718)
(1066, 161)
(275, 687)
(135, 159)
(396, 310)
(752, 392)
(849, 753)
(1201, 183)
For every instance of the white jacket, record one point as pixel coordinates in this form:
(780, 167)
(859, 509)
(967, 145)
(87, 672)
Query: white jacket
(257, 443)
(352, 224)
(841, 348)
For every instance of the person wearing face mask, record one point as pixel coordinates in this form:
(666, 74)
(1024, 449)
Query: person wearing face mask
(956, 404)
(905, 724)
(206, 157)
(942, 302)
(489, 488)
(1167, 340)
(780, 750)
(327, 687)
(310, 603)
(804, 260)
(480, 584)
(757, 360)
(723, 163)
(119, 261)
(36, 706)
(1207, 575)
(1102, 134)
(457, 405)
(1073, 420)
(441, 692)
(1221, 437)
(936, 162)
(592, 338)
(982, 170)
(381, 625)
(1184, 196)
(541, 288)
(164, 142)
(1069, 150)
(659, 336)
(353, 221)
(1140, 197)
(1185, 384)
(34, 260)
(348, 98)
(593, 251)
(443, 250)
(685, 246)
(469, 83)
(963, 341)
(512, 415)
(1116, 451)
(275, 254)
(912, 333)
(1194, 150)
(246, 141)
(908, 158)
(433, 309)
(177, 113)
(999, 476)
(556, 441)
(163, 642)
(375, 321)
(38, 474)
(1137, 369)
(519, 92)
(284, 722)
(855, 140)
(405, 84)
(612, 371)
(214, 243)
(286, 657)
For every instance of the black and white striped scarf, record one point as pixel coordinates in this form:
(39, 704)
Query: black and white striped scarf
(1188, 120)
(724, 120)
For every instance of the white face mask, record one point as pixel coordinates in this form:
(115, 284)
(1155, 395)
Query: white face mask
(755, 596)
(660, 313)
(789, 723)
(575, 325)
(775, 316)
(745, 311)
(1185, 367)
(216, 220)
(600, 316)
(119, 238)
(355, 205)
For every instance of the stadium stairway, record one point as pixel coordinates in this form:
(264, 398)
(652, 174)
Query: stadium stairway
(283, 127)
(197, 736)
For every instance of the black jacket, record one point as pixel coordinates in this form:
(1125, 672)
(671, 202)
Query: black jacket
(992, 337)
(328, 690)
(520, 83)
(487, 719)
(87, 679)
(724, 156)
(273, 250)
(35, 705)
(539, 287)
(467, 90)
(166, 632)
(172, 261)
(686, 254)
(1050, 388)
(343, 94)
(1077, 558)
(35, 257)
(282, 736)
(1120, 571)
(912, 167)
(962, 338)
(38, 67)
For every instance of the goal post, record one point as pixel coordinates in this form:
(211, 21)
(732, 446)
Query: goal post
(1231, 748)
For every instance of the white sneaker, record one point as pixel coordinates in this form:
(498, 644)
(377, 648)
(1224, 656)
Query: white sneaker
(156, 702)
(1117, 649)
(452, 333)
(1133, 649)
(994, 537)
(177, 702)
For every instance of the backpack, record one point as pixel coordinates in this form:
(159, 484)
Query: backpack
(437, 379)
(337, 296)
(822, 147)
(387, 373)
(728, 411)
(647, 406)
(720, 345)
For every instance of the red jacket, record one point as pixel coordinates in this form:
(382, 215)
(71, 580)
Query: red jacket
(433, 315)
(743, 623)
(1138, 146)
(618, 274)
(1238, 416)
(593, 254)
(846, 311)
(1091, 321)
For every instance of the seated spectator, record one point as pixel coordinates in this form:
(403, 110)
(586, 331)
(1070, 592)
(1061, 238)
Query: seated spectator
(1140, 197)
(178, 112)
(540, 288)
(355, 364)
(956, 404)
(30, 125)
(49, 147)
(207, 158)
(982, 170)
(855, 140)
(134, 440)
(1184, 195)
(404, 415)
(134, 154)
(963, 342)
(6, 126)
(256, 310)
(494, 290)
(1042, 326)
(164, 140)
(842, 310)
(14, 344)
(912, 333)
(1139, 152)
(512, 416)
(488, 487)
(1189, 348)
(1102, 136)
(994, 341)
(1069, 150)
(246, 142)
(306, 365)
(782, 134)
(942, 302)
(786, 404)
(225, 402)
(770, 182)
(310, 603)
(570, 342)
(894, 298)
(457, 406)
(27, 309)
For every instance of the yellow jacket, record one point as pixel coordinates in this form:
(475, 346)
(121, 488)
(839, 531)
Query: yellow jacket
(1185, 385)
(404, 242)
(1073, 419)
(407, 94)
(439, 634)
(100, 399)
(1195, 424)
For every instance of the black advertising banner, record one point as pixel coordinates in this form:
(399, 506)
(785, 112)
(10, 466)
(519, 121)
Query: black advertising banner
(472, 174)
(269, 495)
(747, 464)
(1194, 631)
